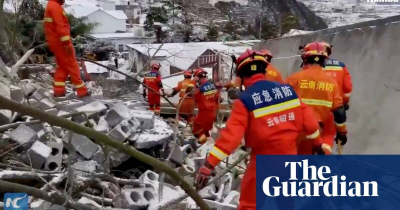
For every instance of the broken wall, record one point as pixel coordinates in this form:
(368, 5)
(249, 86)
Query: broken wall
(371, 52)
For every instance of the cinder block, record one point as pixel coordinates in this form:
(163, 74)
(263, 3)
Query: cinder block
(177, 154)
(209, 192)
(62, 113)
(41, 93)
(186, 170)
(232, 198)
(17, 94)
(41, 204)
(102, 125)
(99, 157)
(69, 105)
(117, 157)
(120, 132)
(38, 154)
(117, 113)
(85, 168)
(186, 150)
(69, 96)
(53, 162)
(140, 108)
(53, 111)
(82, 145)
(27, 87)
(139, 198)
(146, 118)
(148, 177)
(92, 108)
(23, 134)
(57, 131)
(32, 103)
(46, 104)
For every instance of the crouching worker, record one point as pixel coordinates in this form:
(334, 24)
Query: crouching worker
(269, 115)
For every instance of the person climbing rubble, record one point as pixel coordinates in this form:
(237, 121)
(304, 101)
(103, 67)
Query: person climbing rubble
(321, 93)
(269, 115)
(272, 74)
(338, 70)
(207, 98)
(57, 32)
(153, 81)
(186, 110)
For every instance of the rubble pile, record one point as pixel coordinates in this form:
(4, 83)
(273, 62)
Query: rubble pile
(54, 159)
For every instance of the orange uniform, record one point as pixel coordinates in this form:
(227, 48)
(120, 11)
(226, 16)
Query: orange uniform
(339, 72)
(187, 107)
(207, 98)
(271, 116)
(321, 93)
(272, 74)
(57, 31)
(153, 80)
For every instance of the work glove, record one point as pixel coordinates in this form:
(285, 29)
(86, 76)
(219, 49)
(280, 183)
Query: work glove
(346, 107)
(341, 137)
(317, 150)
(203, 175)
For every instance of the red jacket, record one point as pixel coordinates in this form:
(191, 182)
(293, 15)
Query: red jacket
(56, 25)
(339, 72)
(153, 80)
(273, 74)
(270, 116)
(206, 96)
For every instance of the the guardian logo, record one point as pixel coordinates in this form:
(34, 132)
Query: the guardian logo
(316, 182)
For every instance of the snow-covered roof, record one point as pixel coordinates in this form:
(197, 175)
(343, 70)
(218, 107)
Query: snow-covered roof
(79, 11)
(86, 3)
(182, 55)
(294, 32)
(92, 68)
(118, 36)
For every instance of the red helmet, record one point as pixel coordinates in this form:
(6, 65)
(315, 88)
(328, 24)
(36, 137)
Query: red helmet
(250, 57)
(187, 73)
(328, 47)
(200, 73)
(314, 49)
(155, 66)
(267, 53)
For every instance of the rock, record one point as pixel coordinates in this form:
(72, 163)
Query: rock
(146, 118)
(102, 125)
(17, 94)
(41, 93)
(135, 199)
(117, 113)
(85, 168)
(23, 134)
(38, 154)
(82, 145)
(53, 162)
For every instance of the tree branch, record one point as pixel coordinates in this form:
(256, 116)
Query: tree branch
(100, 137)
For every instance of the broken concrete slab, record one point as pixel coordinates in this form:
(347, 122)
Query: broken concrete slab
(139, 198)
(146, 118)
(116, 114)
(177, 154)
(38, 154)
(85, 168)
(102, 125)
(120, 132)
(54, 161)
(23, 134)
(69, 96)
(82, 145)
(69, 105)
(17, 94)
(160, 134)
(92, 108)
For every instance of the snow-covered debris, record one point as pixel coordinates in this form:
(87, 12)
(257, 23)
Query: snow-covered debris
(161, 133)
(38, 154)
(23, 134)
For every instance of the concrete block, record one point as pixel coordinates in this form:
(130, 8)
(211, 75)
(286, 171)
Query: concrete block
(53, 111)
(134, 199)
(69, 96)
(232, 198)
(161, 134)
(38, 154)
(17, 94)
(177, 154)
(27, 87)
(99, 157)
(220, 206)
(117, 157)
(186, 170)
(92, 108)
(85, 168)
(31, 103)
(209, 192)
(69, 105)
(140, 108)
(117, 113)
(146, 118)
(102, 125)
(23, 134)
(46, 104)
(82, 145)
(41, 204)
(228, 185)
(54, 161)
(148, 177)
(120, 132)
(57, 131)
(186, 150)
(62, 113)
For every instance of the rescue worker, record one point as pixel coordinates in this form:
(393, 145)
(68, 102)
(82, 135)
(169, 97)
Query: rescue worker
(269, 115)
(186, 110)
(153, 80)
(321, 93)
(57, 32)
(271, 74)
(340, 73)
(207, 99)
